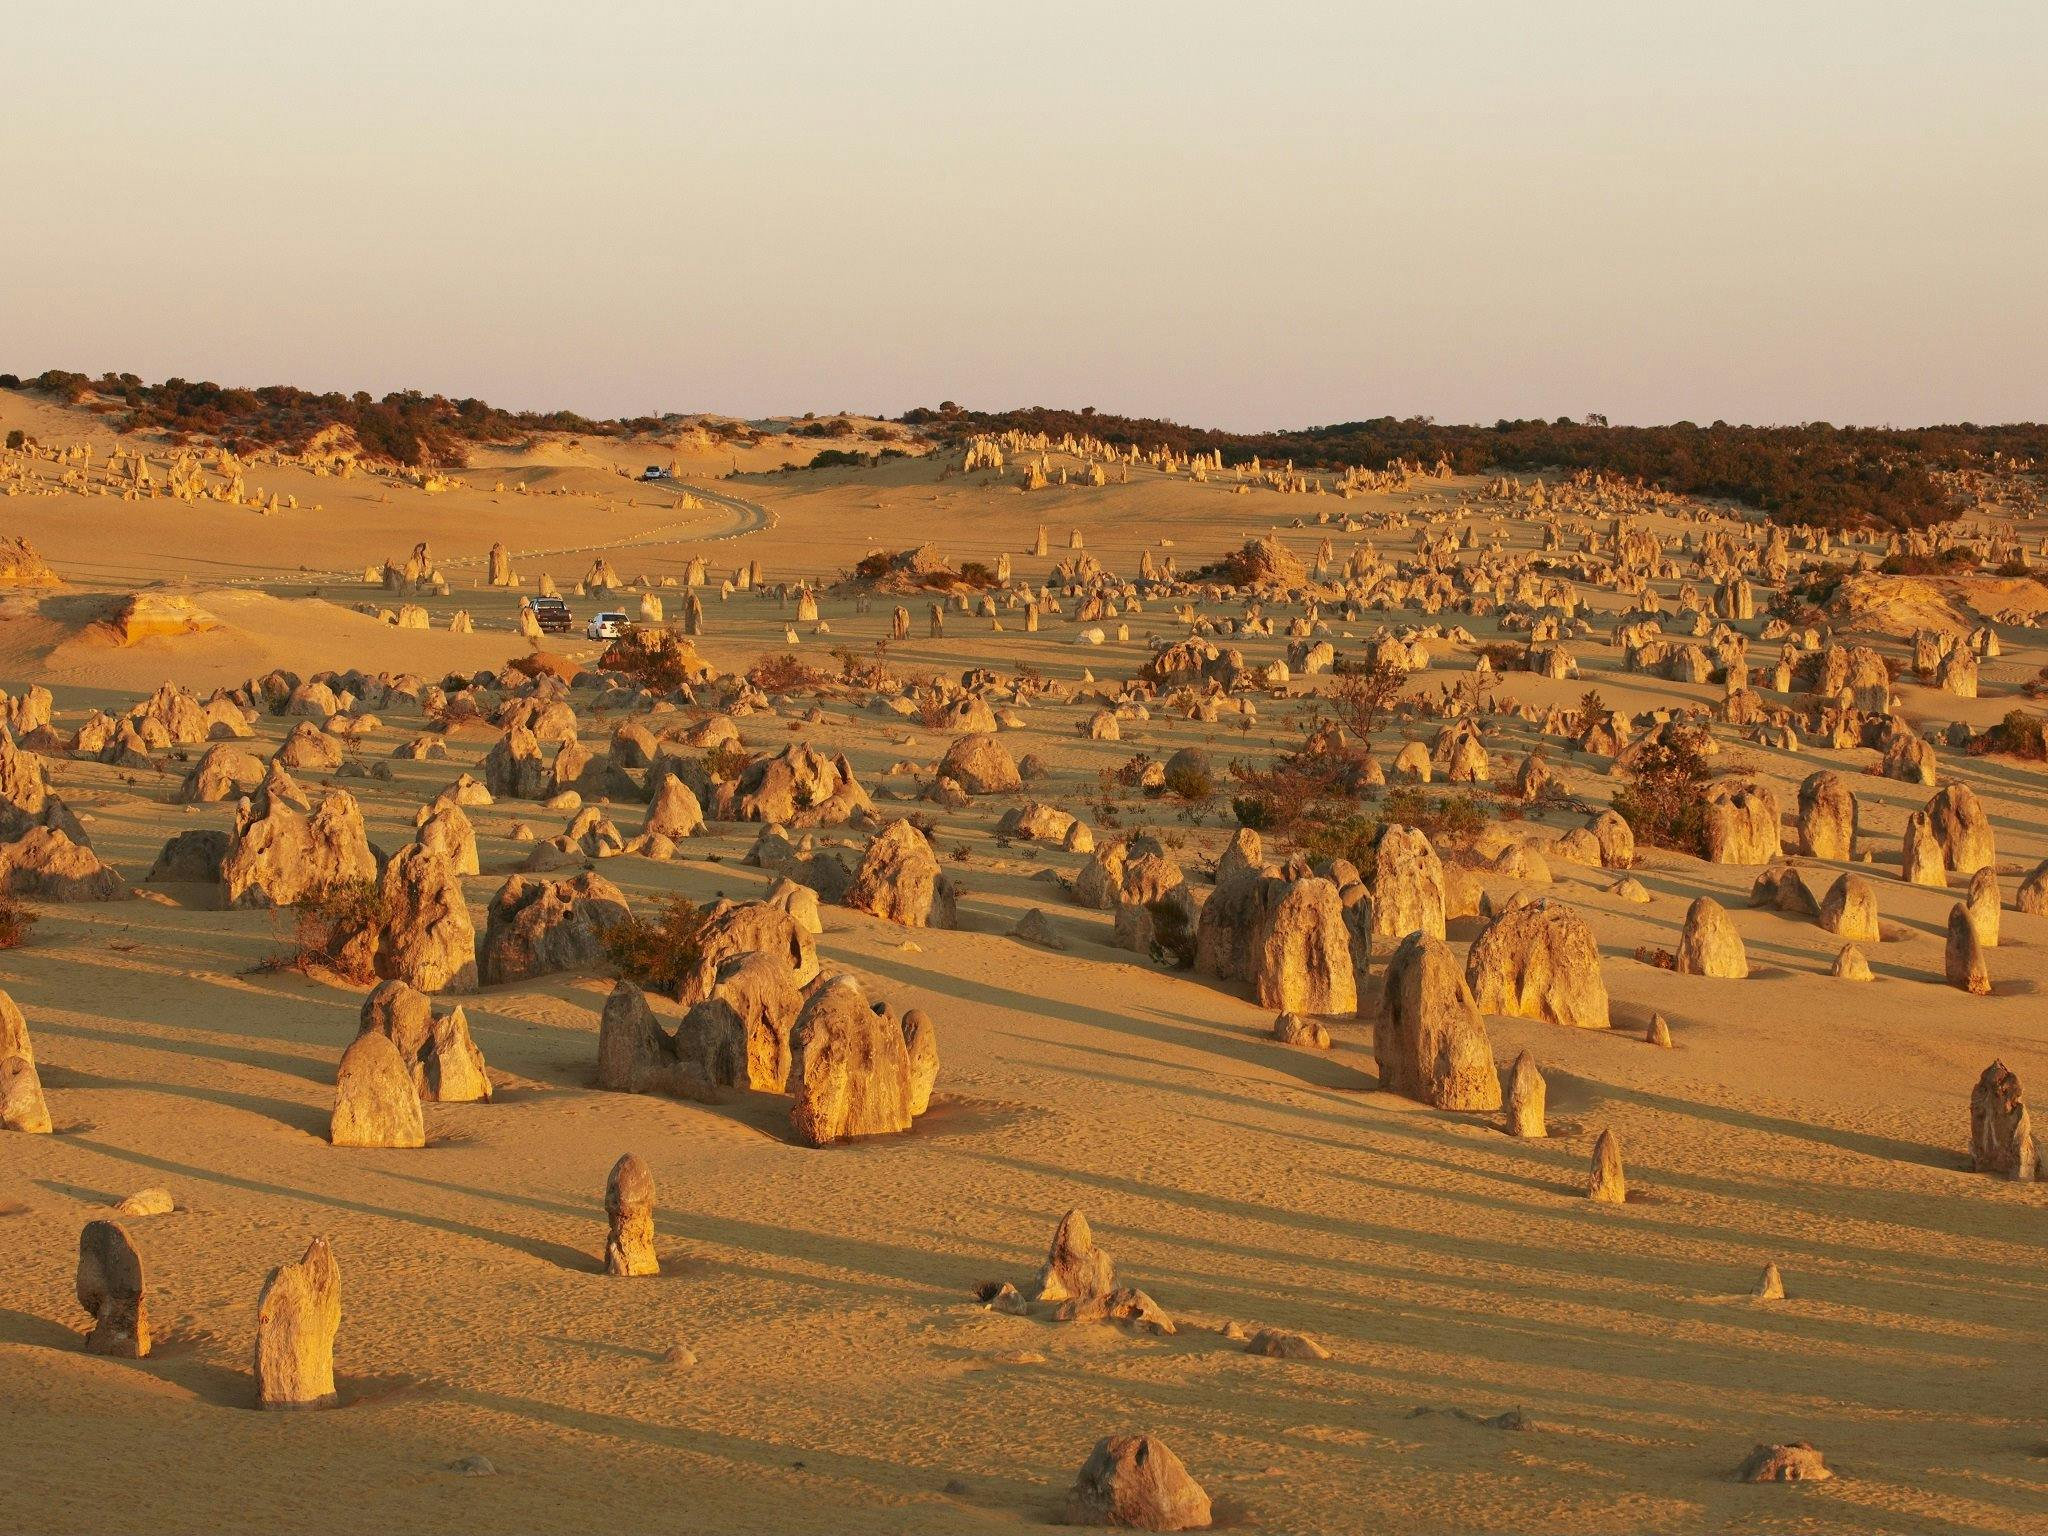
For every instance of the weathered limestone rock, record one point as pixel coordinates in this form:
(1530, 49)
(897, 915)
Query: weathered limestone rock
(535, 926)
(423, 935)
(375, 1103)
(22, 1105)
(675, 812)
(1285, 1344)
(1850, 965)
(297, 1317)
(1527, 1093)
(981, 765)
(1293, 1029)
(278, 857)
(1407, 886)
(1136, 1482)
(1429, 1039)
(1981, 906)
(634, 1053)
(1922, 859)
(921, 1040)
(1075, 1269)
(899, 879)
(1708, 944)
(445, 1063)
(1794, 1462)
(2001, 1132)
(1827, 817)
(849, 1069)
(1770, 1285)
(445, 827)
(738, 1034)
(109, 1287)
(1849, 910)
(2032, 896)
(47, 864)
(629, 1203)
(1301, 953)
(1742, 824)
(1539, 961)
(1607, 1183)
(1963, 958)
(224, 772)
(1956, 817)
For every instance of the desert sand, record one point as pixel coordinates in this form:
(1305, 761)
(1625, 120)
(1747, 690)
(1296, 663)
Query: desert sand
(813, 1354)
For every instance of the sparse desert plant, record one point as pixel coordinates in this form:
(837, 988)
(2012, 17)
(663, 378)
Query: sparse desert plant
(1663, 802)
(323, 924)
(660, 953)
(782, 672)
(15, 921)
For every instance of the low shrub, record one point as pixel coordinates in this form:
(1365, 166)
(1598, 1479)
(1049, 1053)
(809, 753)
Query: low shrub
(660, 953)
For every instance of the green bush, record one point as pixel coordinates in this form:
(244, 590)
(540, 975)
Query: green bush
(660, 953)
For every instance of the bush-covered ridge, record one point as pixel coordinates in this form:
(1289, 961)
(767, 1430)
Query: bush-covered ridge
(1813, 473)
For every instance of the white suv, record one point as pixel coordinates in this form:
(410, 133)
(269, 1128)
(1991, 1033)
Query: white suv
(606, 626)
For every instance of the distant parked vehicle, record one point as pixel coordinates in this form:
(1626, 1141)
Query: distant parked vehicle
(654, 472)
(553, 616)
(606, 626)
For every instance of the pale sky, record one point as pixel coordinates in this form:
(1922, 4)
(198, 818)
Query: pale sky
(1243, 215)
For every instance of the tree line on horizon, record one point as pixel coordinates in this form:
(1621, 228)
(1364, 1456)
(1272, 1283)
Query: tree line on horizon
(1813, 473)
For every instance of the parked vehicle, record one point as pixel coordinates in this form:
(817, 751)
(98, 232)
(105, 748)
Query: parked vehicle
(606, 626)
(654, 472)
(553, 616)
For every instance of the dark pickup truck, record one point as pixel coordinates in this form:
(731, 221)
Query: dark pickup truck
(553, 616)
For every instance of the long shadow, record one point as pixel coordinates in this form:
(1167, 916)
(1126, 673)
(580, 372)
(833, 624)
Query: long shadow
(553, 1253)
(299, 1117)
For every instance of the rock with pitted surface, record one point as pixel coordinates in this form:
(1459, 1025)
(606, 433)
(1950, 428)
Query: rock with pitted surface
(297, 1316)
(109, 1287)
(899, 879)
(1794, 1462)
(1407, 885)
(629, 1205)
(536, 925)
(422, 933)
(445, 1063)
(1742, 824)
(1956, 817)
(1963, 962)
(1827, 817)
(1075, 1269)
(223, 772)
(1300, 952)
(1135, 1482)
(1708, 944)
(277, 857)
(1539, 961)
(445, 827)
(849, 1070)
(2001, 1132)
(375, 1102)
(737, 1035)
(1429, 1039)
(798, 787)
(981, 765)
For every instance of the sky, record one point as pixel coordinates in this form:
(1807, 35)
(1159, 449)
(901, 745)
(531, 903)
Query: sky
(1246, 216)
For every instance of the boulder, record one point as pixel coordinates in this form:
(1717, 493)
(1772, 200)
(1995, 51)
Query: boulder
(1827, 817)
(1607, 1183)
(1075, 1269)
(277, 857)
(1429, 1039)
(375, 1102)
(46, 864)
(1301, 951)
(629, 1204)
(981, 765)
(422, 934)
(1981, 906)
(1849, 910)
(1922, 859)
(297, 1317)
(223, 772)
(1742, 824)
(849, 1070)
(445, 1063)
(2001, 1132)
(674, 813)
(1407, 885)
(22, 1105)
(1963, 963)
(1957, 819)
(738, 1034)
(1527, 1094)
(899, 879)
(109, 1287)
(1135, 1482)
(1708, 944)
(1539, 961)
(536, 925)
(1795, 1462)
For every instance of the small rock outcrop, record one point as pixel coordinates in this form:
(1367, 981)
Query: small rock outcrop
(629, 1204)
(1708, 944)
(1607, 1183)
(1429, 1039)
(1539, 961)
(535, 926)
(297, 1317)
(1527, 1095)
(2001, 1132)
(899, 879)
(1135, 1482)
(375, 1102)
(849, 1068)
(109, 1287)
(1075, 1269)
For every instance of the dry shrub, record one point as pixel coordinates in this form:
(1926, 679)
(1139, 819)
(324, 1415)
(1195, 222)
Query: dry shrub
(325, 925)
(15, 920)
(782, 672)
(661, 953)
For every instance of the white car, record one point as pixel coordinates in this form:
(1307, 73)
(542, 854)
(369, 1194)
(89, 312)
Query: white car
(606, 626)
